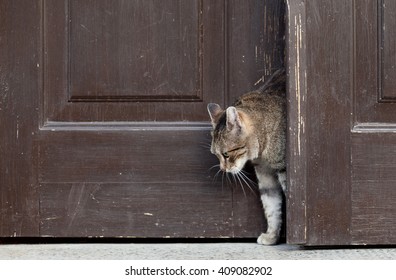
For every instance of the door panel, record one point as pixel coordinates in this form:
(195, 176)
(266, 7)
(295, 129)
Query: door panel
(373, 188)
(135, 156)
(112, 69)
(387, 57)
(104, 108)
(375, 64)
(19, 81)
(319, 50)
(139, 50)
(342, 122)
(131, 60)
(155, 209)
(373, 140)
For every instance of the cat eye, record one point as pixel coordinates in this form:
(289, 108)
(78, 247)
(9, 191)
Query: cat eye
(225, 155)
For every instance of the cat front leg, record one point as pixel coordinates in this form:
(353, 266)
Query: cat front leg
(271, 197)
(272, 204)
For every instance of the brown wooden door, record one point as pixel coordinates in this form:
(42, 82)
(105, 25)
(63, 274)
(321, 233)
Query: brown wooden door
(104, 129)
(342, 122)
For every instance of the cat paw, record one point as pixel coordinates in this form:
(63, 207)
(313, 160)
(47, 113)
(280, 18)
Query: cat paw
(267, 239)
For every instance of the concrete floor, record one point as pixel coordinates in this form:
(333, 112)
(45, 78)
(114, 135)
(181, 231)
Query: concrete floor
(187, 251)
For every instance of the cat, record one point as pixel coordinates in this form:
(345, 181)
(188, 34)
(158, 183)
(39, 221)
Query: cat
(254, 130)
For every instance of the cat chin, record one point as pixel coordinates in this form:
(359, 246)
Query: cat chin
(235, 170)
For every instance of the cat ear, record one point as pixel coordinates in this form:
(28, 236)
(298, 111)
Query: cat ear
(233, 119)
(214, 112)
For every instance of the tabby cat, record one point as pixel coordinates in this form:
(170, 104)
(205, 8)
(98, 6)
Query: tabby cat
(254, 129)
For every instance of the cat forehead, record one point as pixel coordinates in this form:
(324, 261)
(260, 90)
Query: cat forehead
(221, 123)
(226, 138)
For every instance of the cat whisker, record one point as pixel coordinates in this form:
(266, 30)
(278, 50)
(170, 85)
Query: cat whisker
(247, 180)
(245, 175)
(222, 181)
(240, 177)
(228, 178)
(205, 145)
(216, 175)
(214, 166)
(240, 183)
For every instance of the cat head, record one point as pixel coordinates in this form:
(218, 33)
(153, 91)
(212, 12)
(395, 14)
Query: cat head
(232, 139)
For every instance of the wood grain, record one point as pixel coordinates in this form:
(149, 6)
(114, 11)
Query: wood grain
(135, 210)
(137, 61)
(19, 80)
(348, 115)
(88, 152)
(297, 110)
(373, 189)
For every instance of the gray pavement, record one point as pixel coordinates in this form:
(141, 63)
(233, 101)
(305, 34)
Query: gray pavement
(187, 251)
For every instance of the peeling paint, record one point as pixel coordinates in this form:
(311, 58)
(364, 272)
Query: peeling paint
(262, 79)
(17, 130)
(297, 22)
(52, 218)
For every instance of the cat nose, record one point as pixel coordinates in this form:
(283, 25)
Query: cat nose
(223, 168)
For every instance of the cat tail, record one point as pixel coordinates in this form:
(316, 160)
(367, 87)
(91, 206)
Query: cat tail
(276, 83)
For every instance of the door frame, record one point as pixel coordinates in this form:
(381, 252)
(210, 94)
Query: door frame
(319, 99)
